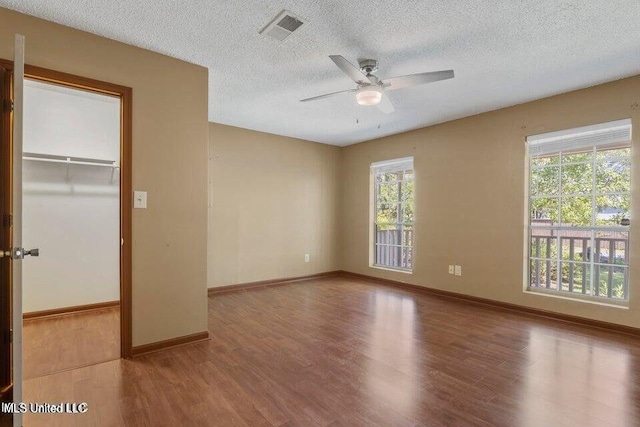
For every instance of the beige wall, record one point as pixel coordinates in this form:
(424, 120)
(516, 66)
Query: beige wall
(276, 198)
(273, 200)
(470, 198)
(169, 161)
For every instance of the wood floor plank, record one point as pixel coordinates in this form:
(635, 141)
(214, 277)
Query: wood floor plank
(52, 344)
(340, 352)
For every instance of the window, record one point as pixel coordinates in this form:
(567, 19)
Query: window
(393, 213)
(579, 206)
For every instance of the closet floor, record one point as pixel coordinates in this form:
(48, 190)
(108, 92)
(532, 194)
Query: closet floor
(58, 343)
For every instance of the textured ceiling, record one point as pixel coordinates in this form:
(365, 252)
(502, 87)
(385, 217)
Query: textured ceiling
(504, 52)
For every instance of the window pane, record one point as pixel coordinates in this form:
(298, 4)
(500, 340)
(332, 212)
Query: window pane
(384, 227)
(613, 153)
(544, 211)
(584, 156)
(544, 244)
(387, 193)
(611, 282)
(612, 247)
(577, 211)
(576, 277)
(537, 243)
(393, 236)
(563, 276)
(543, 274)
(620, 282)
(407, 191)
(387, 214)
(577, 178)
(613, 209)
(407, 257)
(535, 273)
(392, 177)
(574, 244)
(544, 160)
(406, 175)
(614, 176)
(407, 236)
(382, 178)
(544, 181)
(384, 255)
(407, 213)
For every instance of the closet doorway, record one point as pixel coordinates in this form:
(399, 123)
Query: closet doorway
(76, 294)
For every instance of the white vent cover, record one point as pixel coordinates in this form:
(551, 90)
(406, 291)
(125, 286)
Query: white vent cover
(282, 25)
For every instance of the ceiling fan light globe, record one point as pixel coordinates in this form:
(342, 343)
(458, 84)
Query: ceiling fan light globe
(369, 96)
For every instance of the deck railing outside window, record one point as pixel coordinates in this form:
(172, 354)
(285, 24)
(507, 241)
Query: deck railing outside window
(608, 264)
(394, 246)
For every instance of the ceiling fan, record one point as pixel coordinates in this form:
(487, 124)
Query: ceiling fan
(370, 88)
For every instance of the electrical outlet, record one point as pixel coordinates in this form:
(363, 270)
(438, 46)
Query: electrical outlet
(306, 257)
(458, 270)
(451, 269)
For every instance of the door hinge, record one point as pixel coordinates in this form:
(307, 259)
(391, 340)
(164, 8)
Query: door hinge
(10, 336)
(9, 105)
(8, 220)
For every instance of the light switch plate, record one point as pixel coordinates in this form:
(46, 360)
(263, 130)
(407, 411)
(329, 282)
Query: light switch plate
(458, 270)
(306, 257)
(140, 200)
(451, 269)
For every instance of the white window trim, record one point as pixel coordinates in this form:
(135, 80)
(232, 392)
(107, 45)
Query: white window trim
(581, 137)
(392, 165)
(609, 133)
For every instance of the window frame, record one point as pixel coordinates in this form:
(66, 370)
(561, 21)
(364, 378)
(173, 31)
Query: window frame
(387, 167)
(563, 232)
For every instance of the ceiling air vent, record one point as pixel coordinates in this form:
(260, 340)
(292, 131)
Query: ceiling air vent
(282, 25)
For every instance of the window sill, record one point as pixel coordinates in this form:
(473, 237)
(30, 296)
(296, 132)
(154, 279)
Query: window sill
(578, 298)
(395, 270)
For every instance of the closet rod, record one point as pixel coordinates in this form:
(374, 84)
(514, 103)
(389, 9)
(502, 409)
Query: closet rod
(69, 160)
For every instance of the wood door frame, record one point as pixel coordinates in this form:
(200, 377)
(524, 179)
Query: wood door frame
(6, 382)
(126, 192)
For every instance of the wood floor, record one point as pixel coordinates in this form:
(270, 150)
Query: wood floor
(52, 344)
(339, 352)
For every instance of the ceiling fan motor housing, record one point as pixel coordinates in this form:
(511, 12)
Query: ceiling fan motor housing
(368, 66)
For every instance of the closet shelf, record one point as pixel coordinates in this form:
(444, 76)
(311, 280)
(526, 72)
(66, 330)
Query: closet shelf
(69, 160)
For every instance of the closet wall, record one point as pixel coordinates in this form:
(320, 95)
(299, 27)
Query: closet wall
(71, 212)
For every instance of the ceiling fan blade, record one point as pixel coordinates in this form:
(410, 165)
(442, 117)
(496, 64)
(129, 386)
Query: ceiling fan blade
(400, 82)
(327, 95)
(350, 70)
(385, 105)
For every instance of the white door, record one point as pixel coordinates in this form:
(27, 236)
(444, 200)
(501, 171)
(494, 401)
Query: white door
(11, 252)
(17, 251)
